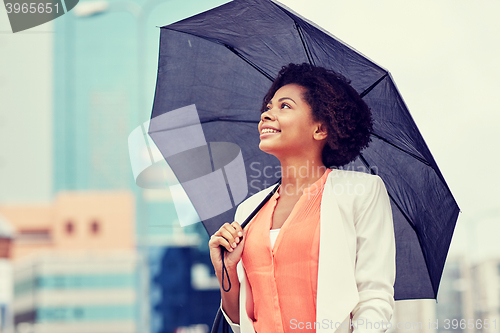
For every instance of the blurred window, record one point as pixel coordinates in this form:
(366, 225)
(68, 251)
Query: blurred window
(95, 227)
(70, 227)
(33, 235)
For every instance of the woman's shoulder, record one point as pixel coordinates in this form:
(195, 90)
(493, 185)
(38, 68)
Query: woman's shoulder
(347, 182)
(351, 175)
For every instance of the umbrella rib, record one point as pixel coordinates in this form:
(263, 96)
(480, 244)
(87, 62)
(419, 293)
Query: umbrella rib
(229, 120)
(299, 30)
(260, 70)
(230, 48)
(370, 88)
(418, 158)
(306, 49)
(204, 122)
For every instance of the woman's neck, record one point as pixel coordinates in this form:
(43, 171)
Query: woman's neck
(296, 175)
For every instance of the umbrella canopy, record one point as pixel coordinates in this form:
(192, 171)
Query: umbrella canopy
(224, 60)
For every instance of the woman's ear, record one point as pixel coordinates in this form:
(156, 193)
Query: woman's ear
(320, 133)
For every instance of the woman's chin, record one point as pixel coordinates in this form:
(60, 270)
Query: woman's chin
(270, 150)
(266, 148)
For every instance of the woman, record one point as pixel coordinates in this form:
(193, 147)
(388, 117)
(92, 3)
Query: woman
(320, 255)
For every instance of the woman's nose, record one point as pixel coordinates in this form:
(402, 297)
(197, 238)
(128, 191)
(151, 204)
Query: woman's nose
(269, 115)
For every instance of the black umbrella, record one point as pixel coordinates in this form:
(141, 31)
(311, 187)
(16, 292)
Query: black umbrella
(224, 60)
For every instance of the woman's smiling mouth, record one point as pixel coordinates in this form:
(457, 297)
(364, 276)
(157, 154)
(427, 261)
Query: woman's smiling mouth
(266, 131)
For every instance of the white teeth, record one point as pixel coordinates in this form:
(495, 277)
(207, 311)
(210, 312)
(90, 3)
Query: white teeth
(269, 130)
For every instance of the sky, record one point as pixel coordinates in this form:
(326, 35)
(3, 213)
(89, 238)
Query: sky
(443, 56)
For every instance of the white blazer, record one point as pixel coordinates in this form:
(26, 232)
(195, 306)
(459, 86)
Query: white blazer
(357, 265)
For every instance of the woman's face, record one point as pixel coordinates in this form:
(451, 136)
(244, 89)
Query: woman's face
(287, 126)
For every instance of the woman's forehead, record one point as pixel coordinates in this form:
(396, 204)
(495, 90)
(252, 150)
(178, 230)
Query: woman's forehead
(292, 90)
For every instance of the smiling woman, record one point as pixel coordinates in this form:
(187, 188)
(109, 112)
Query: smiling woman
(322, 249)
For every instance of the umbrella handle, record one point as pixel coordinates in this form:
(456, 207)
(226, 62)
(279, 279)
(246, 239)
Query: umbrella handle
(243, 225)
(224, 270)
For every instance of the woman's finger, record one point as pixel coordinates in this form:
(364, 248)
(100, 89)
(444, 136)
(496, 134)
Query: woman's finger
(225, 238)
(221, 241)
(238, 229)
(234, 229)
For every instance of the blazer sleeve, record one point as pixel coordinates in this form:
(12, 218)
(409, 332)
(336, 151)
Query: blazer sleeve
(245, 323)
(234, 327)
(375, 267)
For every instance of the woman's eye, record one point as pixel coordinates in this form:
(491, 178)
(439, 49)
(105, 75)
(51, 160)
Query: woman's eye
(285, 106)
(268, 107)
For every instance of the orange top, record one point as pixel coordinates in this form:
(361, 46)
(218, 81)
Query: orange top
(283, 279)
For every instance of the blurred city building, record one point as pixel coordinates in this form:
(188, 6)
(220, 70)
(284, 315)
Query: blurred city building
(455, 297)
(63, 293)
(184, 293)
(413, 316)
(75, 266)
(486, 289)
(468, 300)
(74, 222)
(6, 283)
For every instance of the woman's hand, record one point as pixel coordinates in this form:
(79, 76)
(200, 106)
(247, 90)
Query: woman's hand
(229, 236)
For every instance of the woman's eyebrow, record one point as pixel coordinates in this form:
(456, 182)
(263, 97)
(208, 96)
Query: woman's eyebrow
(282, 98)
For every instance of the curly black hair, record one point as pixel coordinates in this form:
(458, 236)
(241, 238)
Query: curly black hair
(336, 104)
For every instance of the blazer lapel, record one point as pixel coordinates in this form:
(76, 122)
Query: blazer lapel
(337, 291)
